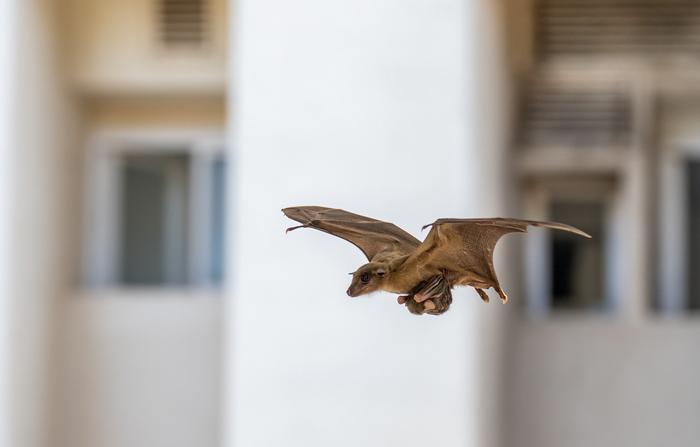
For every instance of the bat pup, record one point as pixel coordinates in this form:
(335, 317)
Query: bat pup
(456, 252)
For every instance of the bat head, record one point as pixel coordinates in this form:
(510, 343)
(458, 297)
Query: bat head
(367, 279)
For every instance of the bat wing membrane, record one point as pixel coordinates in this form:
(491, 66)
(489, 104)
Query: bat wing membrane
(465, 247)
(373, 237)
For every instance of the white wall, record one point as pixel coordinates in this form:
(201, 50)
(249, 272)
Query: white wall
(584, 382)
(141, 369)
(368, 106)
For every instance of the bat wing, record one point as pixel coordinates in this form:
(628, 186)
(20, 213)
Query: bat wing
(372, 236)
(465, 247)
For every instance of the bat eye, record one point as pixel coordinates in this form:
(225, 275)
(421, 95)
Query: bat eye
(364, 278)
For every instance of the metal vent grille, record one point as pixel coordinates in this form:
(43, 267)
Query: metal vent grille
(638, 27)
(576, 117)
(183, 22)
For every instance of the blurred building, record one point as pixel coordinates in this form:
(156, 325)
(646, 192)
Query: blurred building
(606, 140)
(151, 299)
(118, 216)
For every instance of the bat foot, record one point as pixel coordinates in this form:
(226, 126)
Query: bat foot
(482, 294)
(502, 294)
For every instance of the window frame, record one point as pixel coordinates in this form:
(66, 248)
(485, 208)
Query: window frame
(673, 290)
(537, 252)
(104, 155)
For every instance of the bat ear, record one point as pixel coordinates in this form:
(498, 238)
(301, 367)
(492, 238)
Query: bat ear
(380, 272)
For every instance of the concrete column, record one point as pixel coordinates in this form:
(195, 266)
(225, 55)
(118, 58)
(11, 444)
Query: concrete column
(370, 106)
(40, 265)
(7, 94)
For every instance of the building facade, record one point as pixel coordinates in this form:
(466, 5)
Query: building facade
(605, 137)
(152, 298)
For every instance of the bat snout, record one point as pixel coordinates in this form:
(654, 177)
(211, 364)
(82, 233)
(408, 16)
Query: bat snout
(355, 290)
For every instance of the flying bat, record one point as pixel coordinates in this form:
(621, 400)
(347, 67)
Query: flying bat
(456, 252)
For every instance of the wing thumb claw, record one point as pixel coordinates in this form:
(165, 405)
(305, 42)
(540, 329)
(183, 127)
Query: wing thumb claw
(293, 228)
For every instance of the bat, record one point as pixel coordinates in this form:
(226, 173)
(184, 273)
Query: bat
(456, 252)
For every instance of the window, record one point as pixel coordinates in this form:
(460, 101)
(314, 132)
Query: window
(693, 223)
(679, 217)
(577, 264)
(156, 212)
(564, 271)
(154, 220)
(218, 219)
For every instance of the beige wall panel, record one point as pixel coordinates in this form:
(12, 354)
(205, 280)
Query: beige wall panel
(113, 46)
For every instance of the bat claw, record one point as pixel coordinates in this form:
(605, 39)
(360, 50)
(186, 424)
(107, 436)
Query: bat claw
(502, 294)
(294, 228)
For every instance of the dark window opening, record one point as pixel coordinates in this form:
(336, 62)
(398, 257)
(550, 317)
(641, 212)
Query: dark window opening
(577, 263)
(693, 231)
(154, 219)
(172, 219)
(218, 220)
